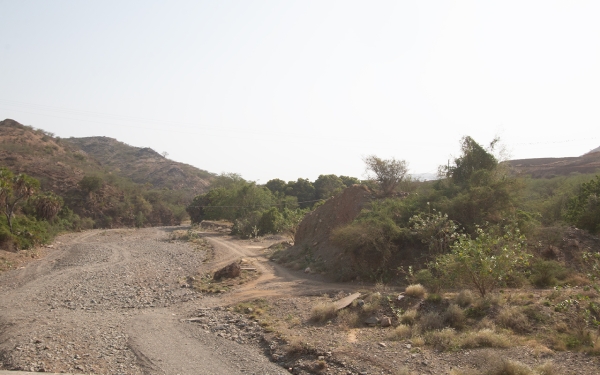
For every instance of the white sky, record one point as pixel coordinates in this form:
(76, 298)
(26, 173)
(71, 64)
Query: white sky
(287, 89)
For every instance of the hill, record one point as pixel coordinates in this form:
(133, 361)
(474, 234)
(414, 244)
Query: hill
(551, 167)
(60, 164)
(144, 165)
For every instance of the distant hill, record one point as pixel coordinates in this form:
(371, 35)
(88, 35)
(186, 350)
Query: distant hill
(551, 167)
(60, 164)
(143, 165)
(597, 149)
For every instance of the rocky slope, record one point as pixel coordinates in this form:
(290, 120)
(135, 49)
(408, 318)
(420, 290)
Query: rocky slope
(144, 165)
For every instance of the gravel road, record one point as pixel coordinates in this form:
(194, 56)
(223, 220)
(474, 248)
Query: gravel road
(116, 302)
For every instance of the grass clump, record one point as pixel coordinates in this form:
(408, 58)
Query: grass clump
(431, 321)
(515, 319)
(323, 312)
(415, 290)
(464, 298)
(455, 317)
(485, 338)
(402, 332)
(443, 339)
(545, 273)
(409, 317)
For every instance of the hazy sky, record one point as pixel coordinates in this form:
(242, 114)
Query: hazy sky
(287, 89)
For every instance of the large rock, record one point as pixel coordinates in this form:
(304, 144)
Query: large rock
(230, 271)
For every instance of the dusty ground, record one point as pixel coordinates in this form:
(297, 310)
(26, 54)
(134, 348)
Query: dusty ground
(122, 302)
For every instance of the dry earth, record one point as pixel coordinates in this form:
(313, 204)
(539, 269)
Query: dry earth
(120, 302)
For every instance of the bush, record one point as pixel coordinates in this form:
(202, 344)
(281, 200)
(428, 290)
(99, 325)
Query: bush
(584, 208)
(409, 317)
(415, 290)
(441, 340)
(464, 298)
(455, 317)
(323, 312)
(426, 278)
(431, 321)
(485, 261)
(545, 273)
(513, 318)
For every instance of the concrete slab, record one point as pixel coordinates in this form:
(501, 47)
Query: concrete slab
(346, 301)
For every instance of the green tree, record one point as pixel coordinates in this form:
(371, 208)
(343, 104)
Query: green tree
(14, 189)
(583, 210)
(473, 158)
(47, 205)
(276, 186)
(90, 184)
(486, 261)
(302, 189)
(349, 181)
(387, 172)
(328, 185)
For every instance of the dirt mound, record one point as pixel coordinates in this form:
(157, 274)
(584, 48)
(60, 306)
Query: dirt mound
(312, 246)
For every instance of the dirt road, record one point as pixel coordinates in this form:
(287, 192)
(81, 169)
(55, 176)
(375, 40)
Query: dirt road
(116, 302)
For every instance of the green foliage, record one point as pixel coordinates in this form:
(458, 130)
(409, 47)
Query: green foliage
(302, 189)
(436, 230)
(47, 205)
(276, 186)
(387, 172)
(90, 184)
(328, 185)
(473, 159)
(486, 261)
(583, 210)
(374, 237)
(349, 181)
(14, 190)
(545, 273)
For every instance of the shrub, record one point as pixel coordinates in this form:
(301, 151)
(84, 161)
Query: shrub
(323, 312)
(441, 340)
(583, 209)
(464, 298)
(409, 317)
(401, 332)
(431, 321)
(513, 318)
(545, 273)
(455, 317)
(486, 338)
(485, 261)
(415, 290)
(428, 280)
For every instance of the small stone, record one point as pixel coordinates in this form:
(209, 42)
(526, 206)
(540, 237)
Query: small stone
(408, 346)
(386, 321)
(372, 321)
(382, 344)
(307, 270)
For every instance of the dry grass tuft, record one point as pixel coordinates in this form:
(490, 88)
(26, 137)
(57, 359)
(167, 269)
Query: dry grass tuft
(348, 318)
(441, 340)
(455, 317)
(513, 318)
(409, 317)
(323, 312)
(401, 332)
(431, 321)
(415, 290)
(486, 338)
(464, 298)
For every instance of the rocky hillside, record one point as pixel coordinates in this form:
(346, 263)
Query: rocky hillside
(143, 165)
(61, 163)
(58, 165)
(551, 167)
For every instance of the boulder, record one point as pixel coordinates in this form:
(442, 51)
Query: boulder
(230, 271)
